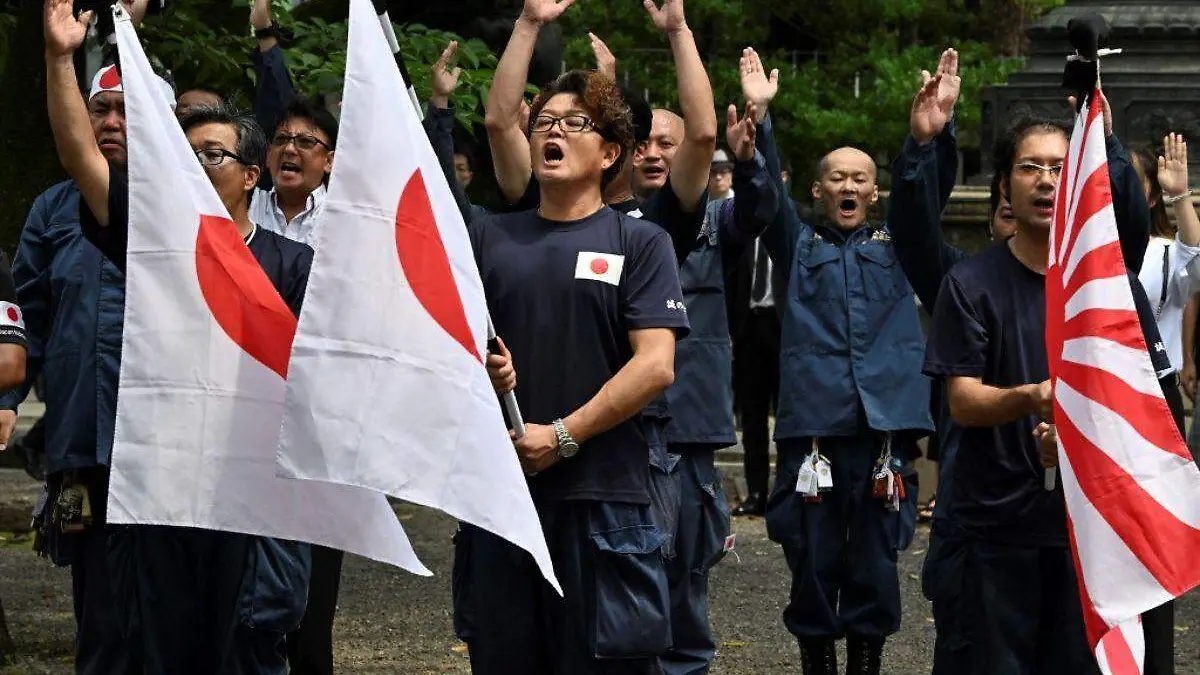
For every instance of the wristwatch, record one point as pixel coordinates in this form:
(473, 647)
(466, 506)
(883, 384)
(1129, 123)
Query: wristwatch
(567, 447)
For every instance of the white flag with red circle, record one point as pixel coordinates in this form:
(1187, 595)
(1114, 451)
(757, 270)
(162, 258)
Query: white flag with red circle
(387, 387)
(204, 357)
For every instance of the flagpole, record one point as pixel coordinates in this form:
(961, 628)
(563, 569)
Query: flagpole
(509, 399)
(389, 32)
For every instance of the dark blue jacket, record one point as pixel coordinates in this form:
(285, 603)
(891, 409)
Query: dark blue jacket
(850, 335)
(74, 305)
(700, 403)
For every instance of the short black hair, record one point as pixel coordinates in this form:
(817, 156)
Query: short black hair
(204, 90)
(600, 96)
(304, 108)
(643, 115)
(251, 141)
(1023, 124)
(466, 153)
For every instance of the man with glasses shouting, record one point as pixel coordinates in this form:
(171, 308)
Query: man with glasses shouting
(299, 160)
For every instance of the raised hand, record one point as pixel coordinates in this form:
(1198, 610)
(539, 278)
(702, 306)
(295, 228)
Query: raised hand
(64, 32)
(606, 63)
(1173, 166)
(757, 87)
(933, 105)
(544, 11)
(740, 134)
(669, 18)
(260, 14)
(443, 76)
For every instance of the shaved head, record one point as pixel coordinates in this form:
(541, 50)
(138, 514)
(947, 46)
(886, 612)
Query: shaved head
(652, 159)
(846, 187)
(847, 157)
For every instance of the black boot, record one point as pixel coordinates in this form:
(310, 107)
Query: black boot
(818, 657)
(864, 655)
(754, 505)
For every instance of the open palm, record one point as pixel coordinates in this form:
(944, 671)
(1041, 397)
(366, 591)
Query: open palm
(1173, 166)
(545, 11)
(64, 32)
(934, 103)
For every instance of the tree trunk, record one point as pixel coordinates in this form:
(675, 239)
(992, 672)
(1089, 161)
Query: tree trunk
(27, 145)
(1009, 20)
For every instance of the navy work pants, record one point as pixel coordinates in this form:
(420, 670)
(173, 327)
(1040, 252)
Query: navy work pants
(842, 551)
(700, 532)
(614, 618)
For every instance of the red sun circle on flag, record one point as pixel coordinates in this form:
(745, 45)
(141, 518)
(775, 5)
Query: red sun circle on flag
(110, 79)
(599, 266)
(14, 315)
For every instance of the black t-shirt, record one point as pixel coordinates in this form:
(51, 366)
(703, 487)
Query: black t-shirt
(286, 262)
(563, 296)
(990, 322)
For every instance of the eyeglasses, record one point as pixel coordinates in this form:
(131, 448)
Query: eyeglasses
(1032, 170)
(214, 157)
(570, 124)
(303, 141)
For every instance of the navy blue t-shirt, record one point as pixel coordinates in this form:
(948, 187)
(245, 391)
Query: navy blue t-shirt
(990, 322)
(563, 296)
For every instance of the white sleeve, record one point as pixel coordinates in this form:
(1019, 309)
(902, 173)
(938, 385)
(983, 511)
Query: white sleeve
(1185, 261)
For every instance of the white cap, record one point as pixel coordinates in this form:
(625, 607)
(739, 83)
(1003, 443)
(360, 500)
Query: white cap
(722, 158)
(108, 78)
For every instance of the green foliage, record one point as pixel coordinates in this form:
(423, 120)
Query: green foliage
(204, 53)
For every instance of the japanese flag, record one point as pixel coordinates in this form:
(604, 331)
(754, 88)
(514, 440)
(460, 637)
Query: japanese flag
(387, 387)
(204, 358)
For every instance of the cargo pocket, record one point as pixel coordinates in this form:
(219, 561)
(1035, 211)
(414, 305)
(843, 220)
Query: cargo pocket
(460, 584)
(665, 495)
(785, 520)
(714, 525)
(276, 594)
(631, 617)
(906, 520)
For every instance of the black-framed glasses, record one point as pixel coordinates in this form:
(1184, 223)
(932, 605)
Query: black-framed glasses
(214, 157)
(1034, 170)
(570, 124)
(302, 141)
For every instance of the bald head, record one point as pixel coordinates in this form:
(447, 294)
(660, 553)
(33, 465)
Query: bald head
(652, 159)
(846, 188)
(847, 158)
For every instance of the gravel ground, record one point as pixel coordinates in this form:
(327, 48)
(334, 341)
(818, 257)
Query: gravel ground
(393, 622)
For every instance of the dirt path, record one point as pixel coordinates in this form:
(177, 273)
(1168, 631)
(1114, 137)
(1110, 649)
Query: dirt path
(393, 622)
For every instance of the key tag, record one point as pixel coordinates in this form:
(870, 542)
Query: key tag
(806, 480)
(824, 473)
(883, 485)
(894, 501)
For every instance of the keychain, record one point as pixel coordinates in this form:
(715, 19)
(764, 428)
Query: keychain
(815, 476)
(889, 482)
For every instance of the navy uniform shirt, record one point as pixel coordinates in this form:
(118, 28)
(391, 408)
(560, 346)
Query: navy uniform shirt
(990, 322)
(850, 338)
(563, 296)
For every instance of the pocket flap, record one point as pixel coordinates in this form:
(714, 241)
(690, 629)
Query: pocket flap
(638, 539)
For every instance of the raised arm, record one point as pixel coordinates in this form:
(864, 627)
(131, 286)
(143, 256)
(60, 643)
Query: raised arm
(439, 122)
(509, 145)
(1173, 178)
(756, 198)
(69, 117)
(918, 185)
(1129, 201)
(273, 88)
(689, 170)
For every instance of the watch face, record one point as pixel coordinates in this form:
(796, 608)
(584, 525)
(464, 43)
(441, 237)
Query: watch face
(568, 449)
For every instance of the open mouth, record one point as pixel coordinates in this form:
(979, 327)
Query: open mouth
(653, 171)
(289, 169)
(848, 207)
(552, 154)
(1044, 205)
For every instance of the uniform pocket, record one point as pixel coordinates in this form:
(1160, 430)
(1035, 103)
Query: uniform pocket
(277, 593)
(714, 525)
(631, 618)
(785, 522)
(665, 495)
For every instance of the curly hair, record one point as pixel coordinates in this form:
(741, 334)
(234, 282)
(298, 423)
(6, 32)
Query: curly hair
(602, 100)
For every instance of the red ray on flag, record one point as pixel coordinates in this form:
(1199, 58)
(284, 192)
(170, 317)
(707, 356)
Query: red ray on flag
(426, 265)
(1129, 481)
(240, 296)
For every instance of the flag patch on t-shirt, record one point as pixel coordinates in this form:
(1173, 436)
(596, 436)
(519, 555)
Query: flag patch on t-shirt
(604, 267)
(10, 315)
